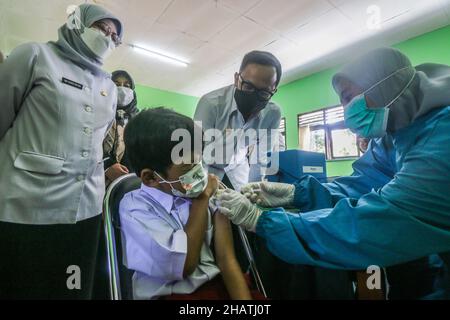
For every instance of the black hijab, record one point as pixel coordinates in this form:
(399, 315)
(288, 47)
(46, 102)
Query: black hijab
(131, 109)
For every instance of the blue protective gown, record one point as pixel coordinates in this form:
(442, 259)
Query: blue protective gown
(394, 208)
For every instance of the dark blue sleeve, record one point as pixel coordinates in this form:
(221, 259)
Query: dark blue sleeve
(408, 218)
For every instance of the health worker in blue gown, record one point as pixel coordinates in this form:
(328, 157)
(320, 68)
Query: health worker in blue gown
(395, 207)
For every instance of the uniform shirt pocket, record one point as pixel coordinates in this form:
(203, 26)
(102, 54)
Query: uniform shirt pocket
(40, 163)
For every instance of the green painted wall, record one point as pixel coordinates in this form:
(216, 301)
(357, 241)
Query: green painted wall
(315, 91)
(151, 98)
(311, 93)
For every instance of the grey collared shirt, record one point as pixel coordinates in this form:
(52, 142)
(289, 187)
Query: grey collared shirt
(53, 119)
(218, 110)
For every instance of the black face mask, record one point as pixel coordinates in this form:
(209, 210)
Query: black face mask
(248, 103)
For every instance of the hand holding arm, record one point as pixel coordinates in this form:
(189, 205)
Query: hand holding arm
(270, 194)
(239, 209)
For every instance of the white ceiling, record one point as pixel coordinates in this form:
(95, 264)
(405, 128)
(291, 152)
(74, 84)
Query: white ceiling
(213, 35)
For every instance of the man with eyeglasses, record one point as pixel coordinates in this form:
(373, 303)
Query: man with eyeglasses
(235, 111)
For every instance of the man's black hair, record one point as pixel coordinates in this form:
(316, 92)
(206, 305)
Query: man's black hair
(263, 58)
(148, 138)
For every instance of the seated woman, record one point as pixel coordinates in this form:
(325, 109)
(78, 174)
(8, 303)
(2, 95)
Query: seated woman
(168, 227)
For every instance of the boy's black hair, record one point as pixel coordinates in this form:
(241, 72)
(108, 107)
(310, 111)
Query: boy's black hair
(263, 58)
(148, 138)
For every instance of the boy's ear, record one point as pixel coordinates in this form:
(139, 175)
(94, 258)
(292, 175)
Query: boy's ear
(149, 178)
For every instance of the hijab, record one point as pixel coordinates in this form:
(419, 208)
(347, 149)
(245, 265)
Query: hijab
(131, 109)
(70, 44)
(387, 72)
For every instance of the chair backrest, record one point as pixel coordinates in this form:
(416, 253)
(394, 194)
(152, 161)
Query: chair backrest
(120, 278)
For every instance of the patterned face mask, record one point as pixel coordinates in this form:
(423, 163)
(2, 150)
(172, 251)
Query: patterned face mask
(194, 182)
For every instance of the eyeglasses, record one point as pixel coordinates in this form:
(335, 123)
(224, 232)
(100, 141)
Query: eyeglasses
(264, 95)
(123, 84)
(108, 32)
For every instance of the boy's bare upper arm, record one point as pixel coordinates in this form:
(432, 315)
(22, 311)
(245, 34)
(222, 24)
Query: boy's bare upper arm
(223, 239)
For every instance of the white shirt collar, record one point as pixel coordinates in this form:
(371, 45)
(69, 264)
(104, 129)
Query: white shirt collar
(165, 199)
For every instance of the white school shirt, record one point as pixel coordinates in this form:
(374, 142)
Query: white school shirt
(156, 244)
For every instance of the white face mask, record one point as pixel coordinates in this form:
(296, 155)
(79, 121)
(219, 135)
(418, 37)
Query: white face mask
(101, 45)
(124, 96)
(194, 182)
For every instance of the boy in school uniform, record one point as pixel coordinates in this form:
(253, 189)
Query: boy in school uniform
(168, 226)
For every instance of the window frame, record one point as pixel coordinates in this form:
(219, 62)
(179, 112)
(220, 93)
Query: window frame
(328, 129)
(284, 131)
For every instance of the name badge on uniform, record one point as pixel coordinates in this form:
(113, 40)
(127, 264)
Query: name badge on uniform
(72, 83)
